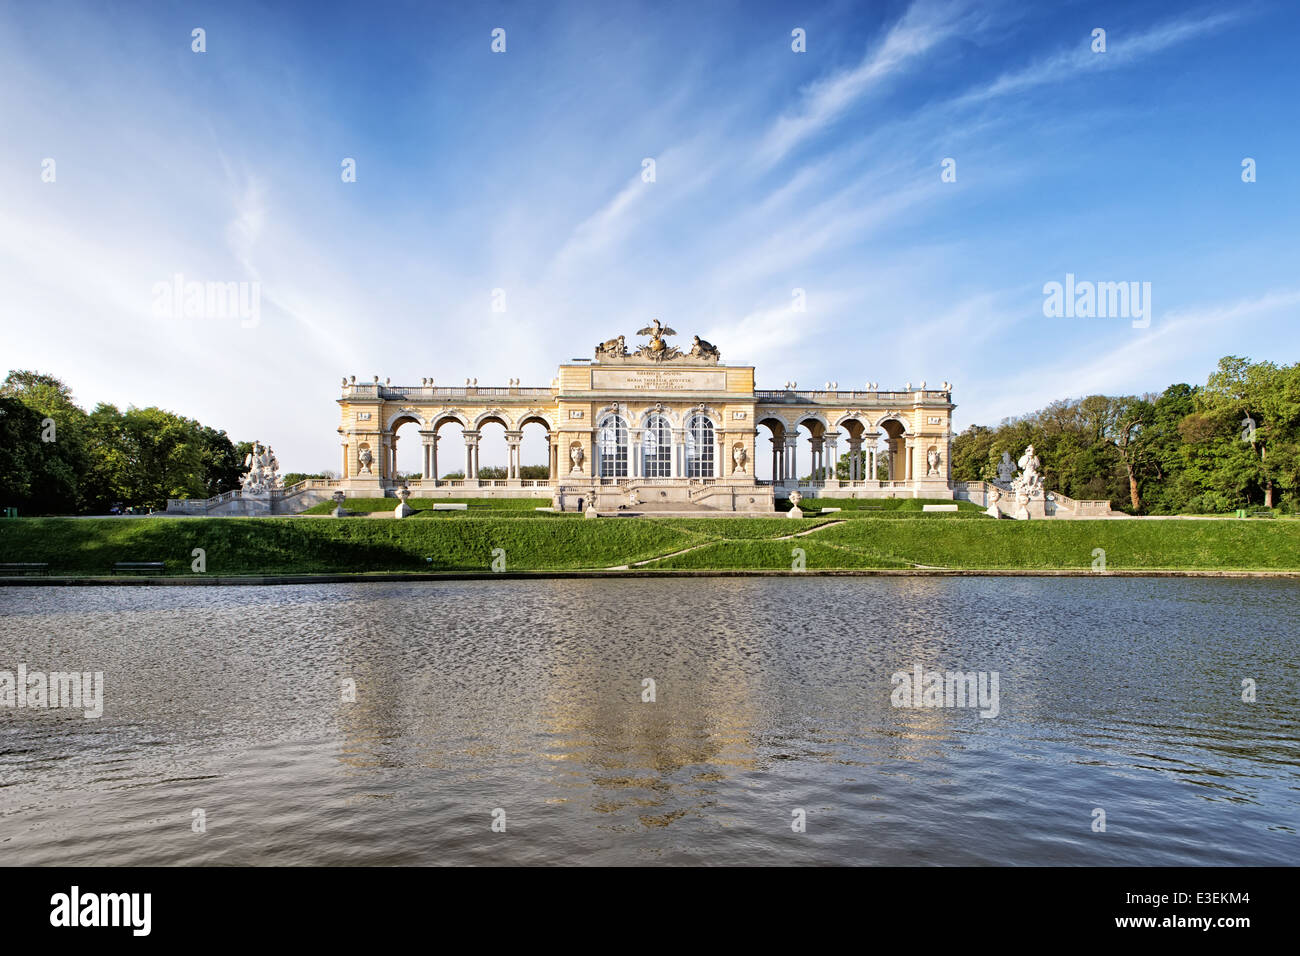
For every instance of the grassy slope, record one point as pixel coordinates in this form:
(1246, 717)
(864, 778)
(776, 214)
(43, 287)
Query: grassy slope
(776, 555)
(289, 545)
(1070, 544)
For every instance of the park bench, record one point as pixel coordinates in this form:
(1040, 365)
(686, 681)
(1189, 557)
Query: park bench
(142, 567)
(24, 567)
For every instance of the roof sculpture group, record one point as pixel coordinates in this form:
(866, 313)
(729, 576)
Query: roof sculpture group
(657, 349)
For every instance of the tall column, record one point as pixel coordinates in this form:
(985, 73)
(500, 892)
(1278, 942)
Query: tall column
(677, 470)
(433, 458)
(553, 458)
(792, 459)
(469, 455)
(776, 460)
(514, 456)
(427, 439)
(347, 460)
(719, 464)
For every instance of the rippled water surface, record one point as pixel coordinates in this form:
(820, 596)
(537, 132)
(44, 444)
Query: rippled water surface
(772, 695)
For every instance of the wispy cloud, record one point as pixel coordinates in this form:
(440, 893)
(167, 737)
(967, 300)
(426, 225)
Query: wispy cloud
(923, 27)
(1121, 50)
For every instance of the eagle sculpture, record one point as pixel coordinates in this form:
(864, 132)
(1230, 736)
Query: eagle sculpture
(657, 331)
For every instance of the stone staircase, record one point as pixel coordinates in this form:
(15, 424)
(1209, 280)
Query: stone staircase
(235, 504)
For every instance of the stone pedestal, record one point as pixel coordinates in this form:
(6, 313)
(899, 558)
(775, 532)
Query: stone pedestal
(403, 510)
(932, 488)
(367, 486)
(1035, 507)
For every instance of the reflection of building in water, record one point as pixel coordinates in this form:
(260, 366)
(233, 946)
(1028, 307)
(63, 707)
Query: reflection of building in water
(659, 426)
(705, 714)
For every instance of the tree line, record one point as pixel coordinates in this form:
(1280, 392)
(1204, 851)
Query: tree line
(57, 458)
(1231, 443)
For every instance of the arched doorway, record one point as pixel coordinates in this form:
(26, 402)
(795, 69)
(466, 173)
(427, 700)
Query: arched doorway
(536, 458)
(408, 451)
(656, 446)
(701, 447)
(492, 450)
(611, 446)
(812, 449)
(447, 456)
(896, 450)
(769, 452)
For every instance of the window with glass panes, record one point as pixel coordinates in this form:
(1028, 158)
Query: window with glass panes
(699, 447)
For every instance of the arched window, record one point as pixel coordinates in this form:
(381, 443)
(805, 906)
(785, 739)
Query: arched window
(657, 445)
(611, 443)
(699, 447)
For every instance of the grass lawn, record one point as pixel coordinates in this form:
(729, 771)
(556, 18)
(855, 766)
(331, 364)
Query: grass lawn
(234, 546)
(751, 554)
(1129, 544)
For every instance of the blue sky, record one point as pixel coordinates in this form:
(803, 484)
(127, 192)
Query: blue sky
(522, 171)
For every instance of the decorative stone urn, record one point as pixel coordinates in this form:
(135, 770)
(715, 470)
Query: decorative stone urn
(738, 456)
(339, 498)
(576, 457)
(403, 510)
(794, 511)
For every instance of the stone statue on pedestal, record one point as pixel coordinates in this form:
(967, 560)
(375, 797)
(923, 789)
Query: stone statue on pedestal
(263, 474)
(1006, 470)
(1028, 485)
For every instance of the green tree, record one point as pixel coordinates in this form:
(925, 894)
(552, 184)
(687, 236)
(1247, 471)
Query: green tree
(970, 455)
(60, 435)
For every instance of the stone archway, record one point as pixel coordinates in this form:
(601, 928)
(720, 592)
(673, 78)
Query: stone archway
(777, 431)
(898, 444)
(532, 446)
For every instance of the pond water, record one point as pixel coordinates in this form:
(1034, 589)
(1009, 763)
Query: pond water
(521, 702)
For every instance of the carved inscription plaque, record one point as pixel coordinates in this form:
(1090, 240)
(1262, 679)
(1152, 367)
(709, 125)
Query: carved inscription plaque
(658, 380)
